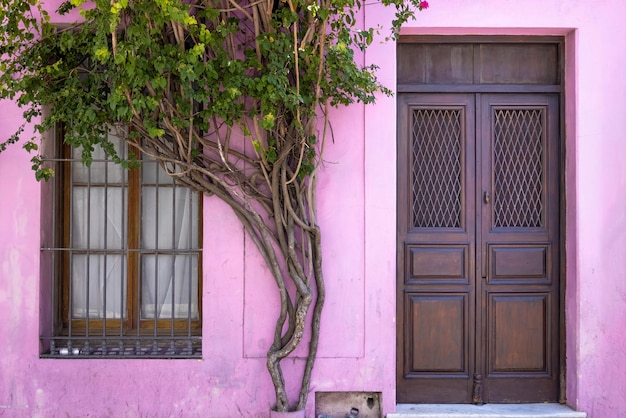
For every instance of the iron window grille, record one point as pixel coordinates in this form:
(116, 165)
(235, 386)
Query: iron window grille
(124, 250)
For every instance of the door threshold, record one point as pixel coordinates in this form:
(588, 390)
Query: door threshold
(533, 410)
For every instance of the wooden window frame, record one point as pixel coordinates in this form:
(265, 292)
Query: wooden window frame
(132, 324)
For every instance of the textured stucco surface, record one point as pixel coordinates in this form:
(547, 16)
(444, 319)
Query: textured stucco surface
(357, 212)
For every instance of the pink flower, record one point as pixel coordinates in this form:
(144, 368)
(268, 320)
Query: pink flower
(423, 5)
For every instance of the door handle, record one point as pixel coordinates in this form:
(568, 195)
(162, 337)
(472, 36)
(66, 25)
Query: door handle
(486, 197)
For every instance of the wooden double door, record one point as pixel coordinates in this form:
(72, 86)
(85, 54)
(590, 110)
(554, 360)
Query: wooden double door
(478, 248)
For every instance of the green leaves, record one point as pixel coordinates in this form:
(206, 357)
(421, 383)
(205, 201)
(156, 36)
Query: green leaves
(173, 68)
(267, 122)
(102, 54)
(118, 6)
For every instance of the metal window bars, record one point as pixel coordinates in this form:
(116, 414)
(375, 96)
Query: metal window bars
(96, 309)
(519, 137)
(436, 168)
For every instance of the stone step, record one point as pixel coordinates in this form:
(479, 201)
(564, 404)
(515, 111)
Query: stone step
(537, 410)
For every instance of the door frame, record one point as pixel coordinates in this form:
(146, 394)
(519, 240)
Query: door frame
(559, 88)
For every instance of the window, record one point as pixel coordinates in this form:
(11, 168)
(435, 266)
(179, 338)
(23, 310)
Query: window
(126, 259)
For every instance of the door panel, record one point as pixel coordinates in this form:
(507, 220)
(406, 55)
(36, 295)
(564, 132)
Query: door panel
(518, 237)
(436, 245)
(518, 263)
(517, 333)
(438, 337)
(432, 264)
(478, 248)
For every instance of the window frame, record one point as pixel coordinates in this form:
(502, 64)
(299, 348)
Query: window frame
(67, 331)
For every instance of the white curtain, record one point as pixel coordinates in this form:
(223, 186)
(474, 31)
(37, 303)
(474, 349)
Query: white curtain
(98, 279)
(98, 236)
(169, 280)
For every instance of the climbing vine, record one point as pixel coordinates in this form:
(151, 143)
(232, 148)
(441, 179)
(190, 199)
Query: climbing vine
(230, 96)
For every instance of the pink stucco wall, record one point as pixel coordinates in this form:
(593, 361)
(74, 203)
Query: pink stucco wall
(357, 211)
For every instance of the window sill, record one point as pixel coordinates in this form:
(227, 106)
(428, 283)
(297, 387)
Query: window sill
(144, 347)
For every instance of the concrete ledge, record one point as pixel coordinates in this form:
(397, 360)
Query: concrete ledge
(537, 410)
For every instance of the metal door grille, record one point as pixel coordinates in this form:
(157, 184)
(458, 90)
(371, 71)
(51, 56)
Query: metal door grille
(518, 168)
(436, 177)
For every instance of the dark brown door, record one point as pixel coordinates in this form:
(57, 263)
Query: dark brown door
(478, 248)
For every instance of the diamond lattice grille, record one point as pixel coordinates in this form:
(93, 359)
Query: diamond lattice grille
(518, 168)
(437, 139)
